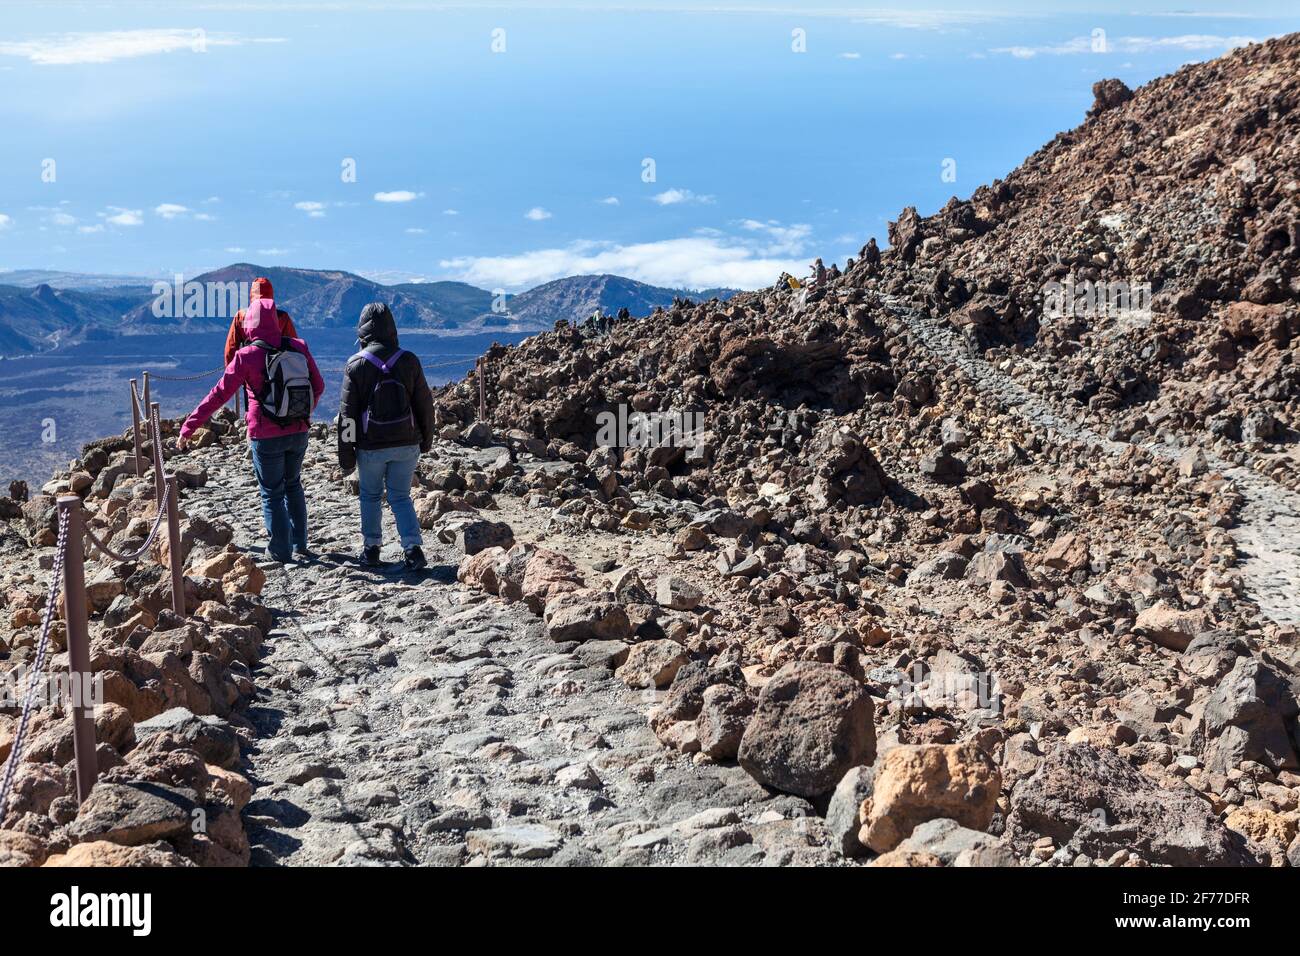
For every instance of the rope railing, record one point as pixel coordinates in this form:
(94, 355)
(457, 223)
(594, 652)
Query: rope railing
(68, 576)
(103, 548)
(37, 669)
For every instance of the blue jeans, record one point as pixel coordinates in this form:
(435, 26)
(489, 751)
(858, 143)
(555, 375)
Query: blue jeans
(278, 464)
(392, 469)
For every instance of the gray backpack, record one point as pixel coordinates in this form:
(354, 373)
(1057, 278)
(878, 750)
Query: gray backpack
(287, 397)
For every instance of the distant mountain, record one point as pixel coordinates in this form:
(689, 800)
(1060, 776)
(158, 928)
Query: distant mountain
(577, 297)
(44, 316)
(31, 278)
(34, 320)
(328, 299)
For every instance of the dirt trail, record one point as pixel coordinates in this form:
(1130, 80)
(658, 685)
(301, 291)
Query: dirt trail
(1268, 532)
(405, 719)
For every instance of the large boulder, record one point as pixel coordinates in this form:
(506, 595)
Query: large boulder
(652, 664)
(842, 813)
(547, 575)
(813, 722)
(586, 616)
(1251, 715)
(1096, 803)
(476, 536)
(921, 782)
(105, 853)
(723, 718)
(210, 737)
(1170, 627)
(130, 814)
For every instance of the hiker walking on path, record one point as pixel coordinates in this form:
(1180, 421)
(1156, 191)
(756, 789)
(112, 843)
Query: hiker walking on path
(385, 422)
(283, 386)
(236, 339)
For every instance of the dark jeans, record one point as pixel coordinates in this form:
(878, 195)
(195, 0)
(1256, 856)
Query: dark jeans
(278, 463)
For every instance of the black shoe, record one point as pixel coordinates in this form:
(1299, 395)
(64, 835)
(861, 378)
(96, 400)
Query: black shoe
(370, 556)
(415, 559)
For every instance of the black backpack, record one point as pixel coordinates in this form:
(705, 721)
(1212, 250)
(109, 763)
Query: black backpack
(388, 415)
(286, 396)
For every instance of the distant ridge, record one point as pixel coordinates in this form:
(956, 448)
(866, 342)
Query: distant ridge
(40, 315)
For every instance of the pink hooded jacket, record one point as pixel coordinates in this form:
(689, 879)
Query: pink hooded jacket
(248, 368)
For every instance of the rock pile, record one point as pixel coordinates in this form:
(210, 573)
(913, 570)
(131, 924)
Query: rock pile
(987, 480)
(169, 724)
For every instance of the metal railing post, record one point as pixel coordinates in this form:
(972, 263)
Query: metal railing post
(174, 547)
(482, 390)
(74, 617)
(145, 394)
(135, 429)
(159, 480)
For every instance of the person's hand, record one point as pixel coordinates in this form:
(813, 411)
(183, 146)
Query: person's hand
(182, 443)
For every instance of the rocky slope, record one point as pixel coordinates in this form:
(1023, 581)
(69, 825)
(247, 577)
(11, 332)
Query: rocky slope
(938, 583)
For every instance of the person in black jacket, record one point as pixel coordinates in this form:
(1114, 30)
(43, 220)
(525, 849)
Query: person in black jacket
(385, 422)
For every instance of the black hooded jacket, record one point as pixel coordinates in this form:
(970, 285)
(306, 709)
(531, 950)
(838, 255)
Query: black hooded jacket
(378, 334)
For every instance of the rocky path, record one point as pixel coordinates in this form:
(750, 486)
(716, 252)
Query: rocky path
(1268, 531)
(405, 719)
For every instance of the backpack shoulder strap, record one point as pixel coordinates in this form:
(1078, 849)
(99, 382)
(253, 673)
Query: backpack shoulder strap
(384, 366)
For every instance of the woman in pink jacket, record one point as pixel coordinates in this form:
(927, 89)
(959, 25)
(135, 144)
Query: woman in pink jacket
(278, 418)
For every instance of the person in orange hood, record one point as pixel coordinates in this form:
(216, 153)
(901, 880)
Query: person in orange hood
(236, 339)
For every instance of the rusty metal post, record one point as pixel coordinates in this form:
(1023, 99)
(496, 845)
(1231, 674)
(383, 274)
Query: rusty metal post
(135, 429)
(174, 548)
(159, 479)
(482, 390)
(144, 395)
(74, 617)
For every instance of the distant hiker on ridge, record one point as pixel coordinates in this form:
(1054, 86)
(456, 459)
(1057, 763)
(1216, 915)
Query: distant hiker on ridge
(235, 338)
(283, 386)
(385, 422)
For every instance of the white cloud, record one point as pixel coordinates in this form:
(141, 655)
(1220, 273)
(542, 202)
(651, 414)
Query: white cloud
(397, 195)
(924, 19)
(608, 201)
(63, 219)
(537, 214)
(170, 210)
(315, 210)
(416, 231)
(898, 56)
(205, 217)
(5, 221)
(451, 212)
(673, 197)
(272, 252)
(103, 47)
(705, 260)
(235, 249)
(1192, 42)
(117, 216)
(87, 230)
(782, 240)
(851, 55)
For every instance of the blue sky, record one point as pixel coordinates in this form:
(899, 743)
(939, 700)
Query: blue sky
(185, 136)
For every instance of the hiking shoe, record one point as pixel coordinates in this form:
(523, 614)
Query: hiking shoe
(370, 556)
(415, 559)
